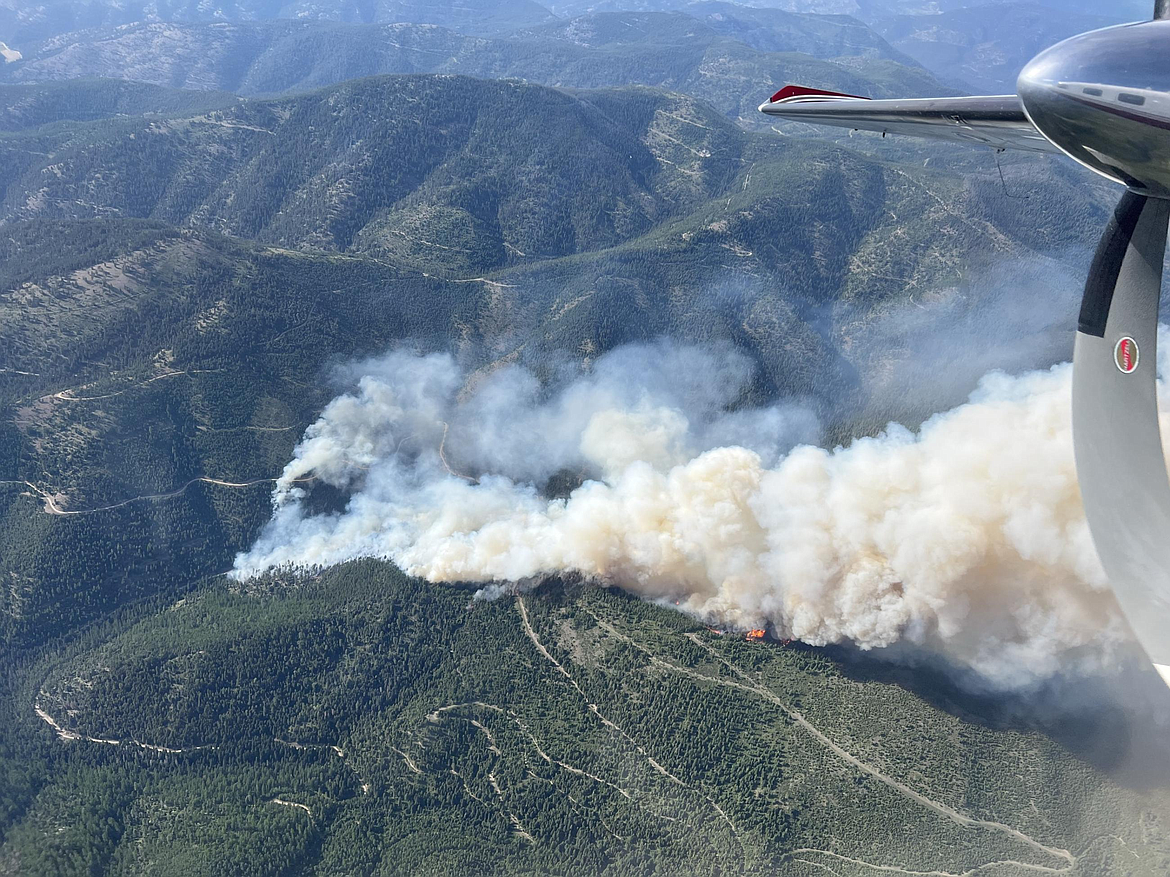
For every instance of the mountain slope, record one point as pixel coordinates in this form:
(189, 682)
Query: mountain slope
(330, 170)
(27, 107)
(479, 17)
(502, 172)
(139, 359)
(455, 176)
(362, 722)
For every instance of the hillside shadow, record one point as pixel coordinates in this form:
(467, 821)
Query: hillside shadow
(1117, 723)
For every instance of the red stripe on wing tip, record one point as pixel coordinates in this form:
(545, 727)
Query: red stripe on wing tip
(800, 91)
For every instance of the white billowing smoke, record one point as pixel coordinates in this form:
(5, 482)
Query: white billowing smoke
(966, 537)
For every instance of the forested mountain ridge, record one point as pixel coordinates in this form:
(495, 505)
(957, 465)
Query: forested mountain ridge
(80, 100)
(767, 30)
(451, 175)
(488, 173)
(360, 722)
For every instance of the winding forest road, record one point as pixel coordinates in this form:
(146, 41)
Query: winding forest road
(900, 787)
(751, 686)
(68, 395)
(531, 634)
(527, 625)
(795, 856)
(68, 735)
(52, 508)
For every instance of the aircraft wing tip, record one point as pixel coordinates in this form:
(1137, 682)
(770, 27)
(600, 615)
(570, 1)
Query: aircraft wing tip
(791, 92)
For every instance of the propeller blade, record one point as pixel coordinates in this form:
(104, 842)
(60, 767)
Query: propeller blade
(1118, 443)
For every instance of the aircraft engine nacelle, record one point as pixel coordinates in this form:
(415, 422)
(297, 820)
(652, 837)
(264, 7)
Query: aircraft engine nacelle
(1104, 99)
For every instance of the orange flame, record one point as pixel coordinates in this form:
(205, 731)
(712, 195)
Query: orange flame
(756, 634)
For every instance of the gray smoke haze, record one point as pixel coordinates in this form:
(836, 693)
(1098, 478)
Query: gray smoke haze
(965, 538)
(927, 352)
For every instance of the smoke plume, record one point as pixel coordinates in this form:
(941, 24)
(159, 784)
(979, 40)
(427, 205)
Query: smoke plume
(965, 537)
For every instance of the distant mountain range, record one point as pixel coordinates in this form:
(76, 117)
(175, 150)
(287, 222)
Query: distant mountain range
(667, 50)
(729, 54)
(983, 48)
(25, 107)
(867, 10)
(22, 23)
(769, 30)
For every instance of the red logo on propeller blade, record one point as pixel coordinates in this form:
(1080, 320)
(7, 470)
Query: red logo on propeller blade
(1125, 354)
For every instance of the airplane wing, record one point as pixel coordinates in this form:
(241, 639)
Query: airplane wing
(997, 121)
